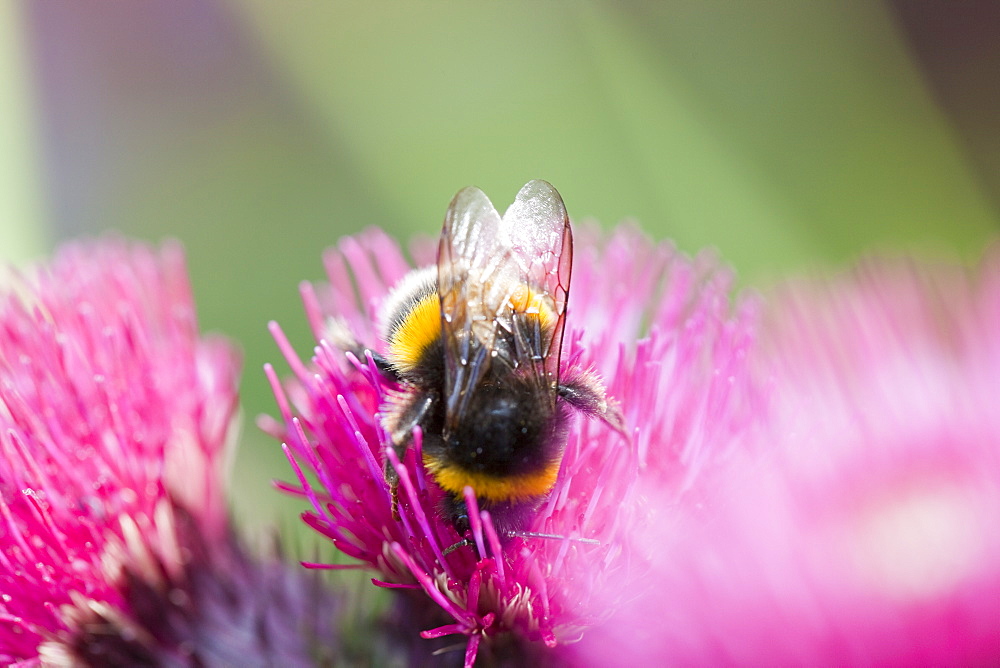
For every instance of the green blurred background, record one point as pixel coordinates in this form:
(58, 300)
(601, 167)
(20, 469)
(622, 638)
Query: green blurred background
(790, 135)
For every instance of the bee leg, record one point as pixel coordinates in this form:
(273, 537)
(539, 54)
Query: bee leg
(404, 412)
(392, 478)
(584, 391)
(381, 363)
(339, 335)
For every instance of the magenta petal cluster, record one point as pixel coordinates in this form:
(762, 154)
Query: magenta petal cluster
(662, 332)
(115, 546)
(861, 527)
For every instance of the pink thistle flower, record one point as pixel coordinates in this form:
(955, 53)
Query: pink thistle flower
(115, 546)
(862, 528)
(656, 326)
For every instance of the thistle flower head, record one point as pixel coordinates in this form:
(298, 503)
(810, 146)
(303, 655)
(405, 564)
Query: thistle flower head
(861, 527)
(114, 417)
(658, 327)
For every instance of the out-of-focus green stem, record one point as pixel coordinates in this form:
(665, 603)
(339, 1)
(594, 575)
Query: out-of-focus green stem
(22, 231)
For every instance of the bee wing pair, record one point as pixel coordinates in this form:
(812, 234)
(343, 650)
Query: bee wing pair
(503, 278)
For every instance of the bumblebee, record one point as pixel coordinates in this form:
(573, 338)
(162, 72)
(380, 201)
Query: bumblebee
(473, 344)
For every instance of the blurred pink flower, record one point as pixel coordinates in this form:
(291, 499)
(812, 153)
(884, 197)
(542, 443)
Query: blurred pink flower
(115, 546)
(861, 528)
(660, 330)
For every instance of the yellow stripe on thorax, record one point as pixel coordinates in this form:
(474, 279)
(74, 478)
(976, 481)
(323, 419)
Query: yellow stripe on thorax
(516, 488)
(420, 329)
(422, 325)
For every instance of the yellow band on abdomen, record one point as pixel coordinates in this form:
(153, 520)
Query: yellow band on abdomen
(515, 488)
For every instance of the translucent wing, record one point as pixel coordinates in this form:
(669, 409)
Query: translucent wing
(503, 284)
(537, 228)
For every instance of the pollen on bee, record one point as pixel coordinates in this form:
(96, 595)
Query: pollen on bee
(535, 304)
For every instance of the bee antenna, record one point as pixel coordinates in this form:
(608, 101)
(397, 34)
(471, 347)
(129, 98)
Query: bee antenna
(462, 543)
